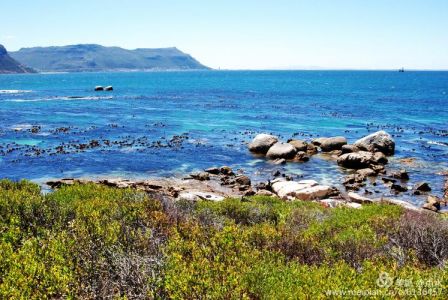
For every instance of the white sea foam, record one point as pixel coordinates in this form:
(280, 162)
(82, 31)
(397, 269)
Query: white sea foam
(438, 143)
(19, 127)
(14, 91)
(60, 99)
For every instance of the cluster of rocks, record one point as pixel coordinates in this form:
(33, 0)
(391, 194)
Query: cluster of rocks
(366, 159)
(368, 151)
(367, 155)
(226, 177)
(282, 187)
(75, 146)
(434, 203)
(269, 145)
(167, 187)
(223, 182)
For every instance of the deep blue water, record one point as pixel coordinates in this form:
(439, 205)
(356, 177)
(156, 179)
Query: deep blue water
(218, 111)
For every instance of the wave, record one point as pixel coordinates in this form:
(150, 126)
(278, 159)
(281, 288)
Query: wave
(438, 143)
(67, 98)
(14, 91)
(19, 127)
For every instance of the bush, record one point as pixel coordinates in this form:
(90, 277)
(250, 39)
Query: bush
(422, 234)
(90, 241)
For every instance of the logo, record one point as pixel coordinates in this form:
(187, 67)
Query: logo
(384, 280)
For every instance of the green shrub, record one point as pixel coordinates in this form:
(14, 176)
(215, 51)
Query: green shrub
(91, 241)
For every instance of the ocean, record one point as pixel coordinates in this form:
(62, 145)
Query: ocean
(173, 123)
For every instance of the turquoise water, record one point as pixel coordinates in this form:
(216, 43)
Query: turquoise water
(215, 113)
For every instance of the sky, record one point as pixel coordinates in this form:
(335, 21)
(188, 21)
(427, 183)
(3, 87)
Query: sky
(245, 34)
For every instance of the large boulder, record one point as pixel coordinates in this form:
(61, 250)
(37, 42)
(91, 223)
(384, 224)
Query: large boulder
(288, 188)
(314, 192)
(356, 160)
(262, 142)
(349, 149)
(281, 150)
(299, 145)
(333, 143)
(303, 190)
(318, 141)
(379, 141)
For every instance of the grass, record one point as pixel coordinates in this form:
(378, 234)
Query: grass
(91, 241)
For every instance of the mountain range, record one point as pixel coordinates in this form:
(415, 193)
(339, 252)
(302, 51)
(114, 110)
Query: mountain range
(10, 65)
(93, 58)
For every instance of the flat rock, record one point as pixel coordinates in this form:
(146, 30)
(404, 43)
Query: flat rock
(195, 196)
(402, 203)
(333, 203)
(264, 193)
(262, 142)
(284, 189)
(281, 150)
(353, 205)
(314, 192)
(378, 141)
(357, 198)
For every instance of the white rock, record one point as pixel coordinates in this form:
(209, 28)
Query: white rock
(289, 188)
(402, 203)
(353, 205)
(332, 203)
(309, 181)
(187, 196)
(314, 192)
(195, 196)
(358, 198)
(281, 150)
(262, 142)
(378, 141)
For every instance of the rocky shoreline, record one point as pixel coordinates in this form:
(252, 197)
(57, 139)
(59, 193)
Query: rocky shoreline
(367, 158)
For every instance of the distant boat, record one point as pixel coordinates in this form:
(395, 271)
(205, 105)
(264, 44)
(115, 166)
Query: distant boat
(401, 70)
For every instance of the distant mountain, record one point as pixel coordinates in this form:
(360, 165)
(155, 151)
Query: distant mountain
(9, 65)
(91, 57)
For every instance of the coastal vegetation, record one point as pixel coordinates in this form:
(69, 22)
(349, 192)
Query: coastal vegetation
(93, 241)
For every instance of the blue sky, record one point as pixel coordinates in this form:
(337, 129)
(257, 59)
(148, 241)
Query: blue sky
(245, 34)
